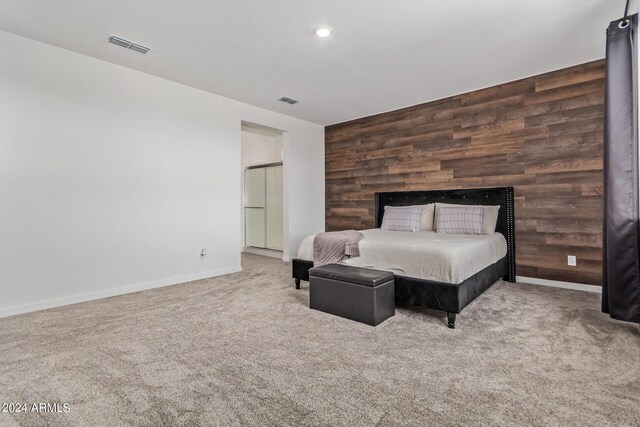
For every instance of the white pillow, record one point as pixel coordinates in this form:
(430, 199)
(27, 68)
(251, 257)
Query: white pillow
(401, 218)
(490, 215)
(428, 214)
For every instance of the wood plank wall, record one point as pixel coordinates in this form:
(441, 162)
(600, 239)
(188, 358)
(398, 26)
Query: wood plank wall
(542, 135)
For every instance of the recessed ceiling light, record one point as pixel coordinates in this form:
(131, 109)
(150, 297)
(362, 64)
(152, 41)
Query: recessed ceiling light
(322, 32)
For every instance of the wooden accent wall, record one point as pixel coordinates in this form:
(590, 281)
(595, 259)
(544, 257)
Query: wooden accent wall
(542, 135)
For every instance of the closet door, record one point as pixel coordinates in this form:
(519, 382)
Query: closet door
(255, 217)
(274, 207)
(255, 227)
(254, 188)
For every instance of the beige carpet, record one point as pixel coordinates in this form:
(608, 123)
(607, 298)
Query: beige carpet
(245, 349)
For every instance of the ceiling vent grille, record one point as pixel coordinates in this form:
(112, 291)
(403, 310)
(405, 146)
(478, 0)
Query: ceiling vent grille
(288, 100)
(119, 41)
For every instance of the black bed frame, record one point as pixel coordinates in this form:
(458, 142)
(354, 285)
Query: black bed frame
(448, 297)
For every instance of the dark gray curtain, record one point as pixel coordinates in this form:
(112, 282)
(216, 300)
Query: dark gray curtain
(621, 244)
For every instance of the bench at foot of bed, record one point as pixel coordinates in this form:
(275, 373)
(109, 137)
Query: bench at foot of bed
(361, 294)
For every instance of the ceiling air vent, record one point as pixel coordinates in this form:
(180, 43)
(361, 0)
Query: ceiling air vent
(127, 44)
(288, 100)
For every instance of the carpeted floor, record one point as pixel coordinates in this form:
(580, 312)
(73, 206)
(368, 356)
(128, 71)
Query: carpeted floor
(245, 349)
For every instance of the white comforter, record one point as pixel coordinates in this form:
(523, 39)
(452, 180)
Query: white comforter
(449, 258)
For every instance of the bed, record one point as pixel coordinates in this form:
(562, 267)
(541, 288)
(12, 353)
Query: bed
(444, 285)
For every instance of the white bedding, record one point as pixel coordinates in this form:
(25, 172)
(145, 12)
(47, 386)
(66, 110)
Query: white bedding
(449, 258)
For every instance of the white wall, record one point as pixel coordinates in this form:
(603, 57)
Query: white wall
(112, 180)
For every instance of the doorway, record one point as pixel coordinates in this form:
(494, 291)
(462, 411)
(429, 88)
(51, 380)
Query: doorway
(262, 190)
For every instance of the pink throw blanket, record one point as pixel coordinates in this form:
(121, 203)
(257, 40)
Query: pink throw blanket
(335, 246)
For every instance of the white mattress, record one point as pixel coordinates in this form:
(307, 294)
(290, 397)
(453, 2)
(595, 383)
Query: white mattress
(449, 258)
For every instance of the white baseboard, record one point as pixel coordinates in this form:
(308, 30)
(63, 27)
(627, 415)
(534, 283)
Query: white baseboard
(559, 284)
(74, 299)
(264, 252)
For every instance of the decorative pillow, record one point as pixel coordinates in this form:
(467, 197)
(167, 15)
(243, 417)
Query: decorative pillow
(426, 217)
(401, 218)
(459, 220)
(490, 215)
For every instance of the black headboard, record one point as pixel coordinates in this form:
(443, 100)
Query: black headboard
(502, 196)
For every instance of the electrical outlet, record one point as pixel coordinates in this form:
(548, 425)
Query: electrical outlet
(203, 252)
(571, 260)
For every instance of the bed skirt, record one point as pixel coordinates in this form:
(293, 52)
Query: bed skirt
(449, 297)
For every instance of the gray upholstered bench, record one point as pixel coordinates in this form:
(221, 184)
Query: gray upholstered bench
(356, 293)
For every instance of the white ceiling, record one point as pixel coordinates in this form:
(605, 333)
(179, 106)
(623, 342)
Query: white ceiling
(383, 54)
